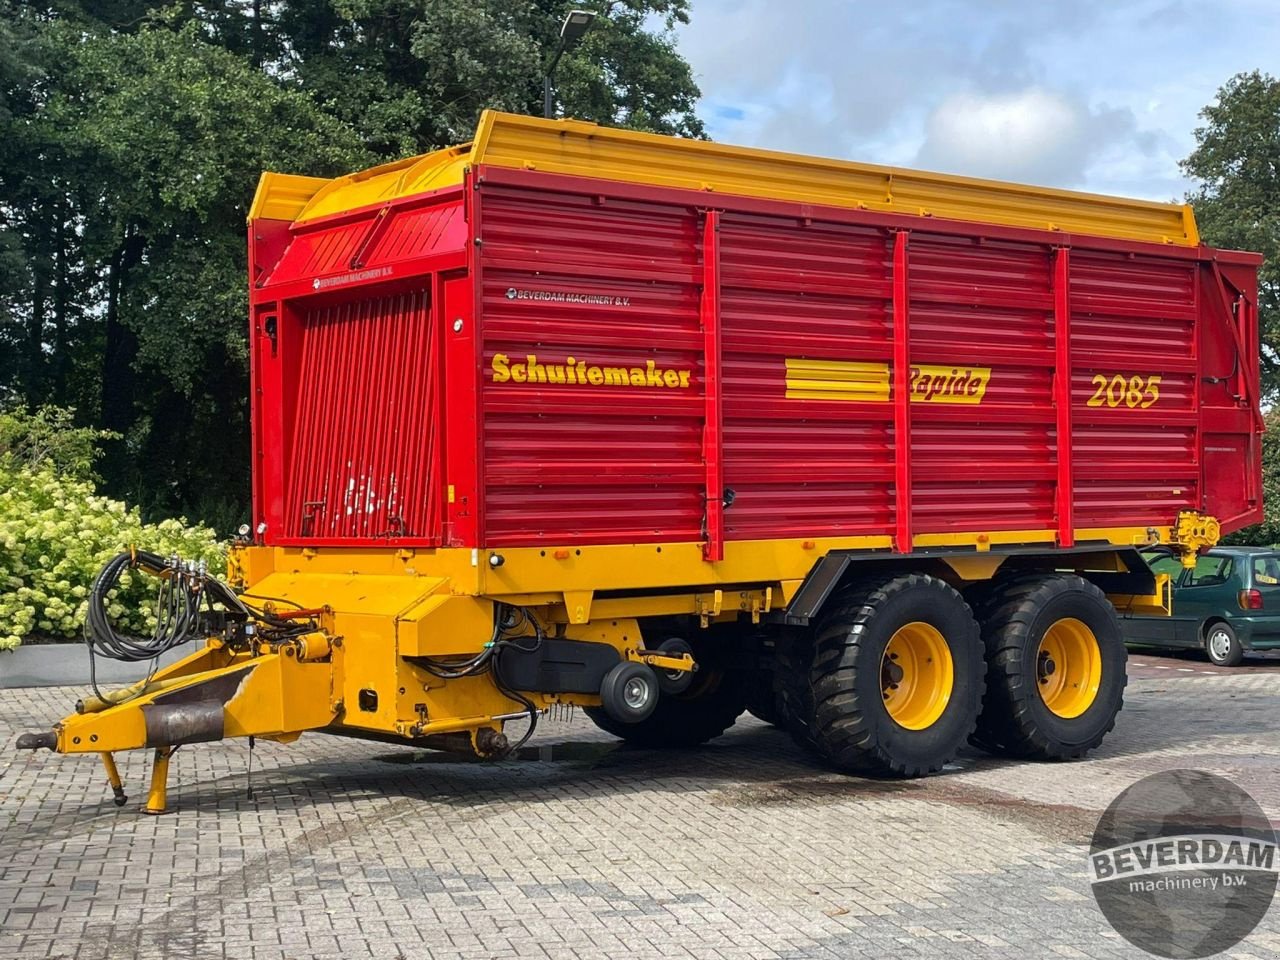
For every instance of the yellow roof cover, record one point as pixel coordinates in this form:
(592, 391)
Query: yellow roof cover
(582, 149)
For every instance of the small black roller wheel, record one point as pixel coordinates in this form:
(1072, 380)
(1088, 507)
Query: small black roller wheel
(896, 677)
(703, 712)
(1222, 645)
(1055, 668)
(673, 682)
(629, 692)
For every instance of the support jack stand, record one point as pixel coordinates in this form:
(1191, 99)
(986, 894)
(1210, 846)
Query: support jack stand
(113, 778)
(157, 797)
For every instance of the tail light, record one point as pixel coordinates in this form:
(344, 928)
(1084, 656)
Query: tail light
(1250, 600)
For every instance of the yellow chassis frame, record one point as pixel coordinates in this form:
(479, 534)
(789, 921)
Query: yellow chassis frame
(382, 608)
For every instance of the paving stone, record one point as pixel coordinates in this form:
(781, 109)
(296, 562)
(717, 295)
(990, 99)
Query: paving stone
(745, 849)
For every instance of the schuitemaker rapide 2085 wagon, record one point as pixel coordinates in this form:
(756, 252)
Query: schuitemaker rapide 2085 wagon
(668, 430)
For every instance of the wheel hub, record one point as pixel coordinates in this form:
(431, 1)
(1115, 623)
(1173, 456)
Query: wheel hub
(1045, 666)
(916, 675)
(1068, 668)
(635, 693)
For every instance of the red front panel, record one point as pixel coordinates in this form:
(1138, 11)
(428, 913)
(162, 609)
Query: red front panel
(365, 461)
(346, 352)
(1010, 338)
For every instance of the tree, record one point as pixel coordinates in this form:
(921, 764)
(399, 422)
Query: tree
(413, 75)
(131, 138)
(133, 162)
(1237, 161)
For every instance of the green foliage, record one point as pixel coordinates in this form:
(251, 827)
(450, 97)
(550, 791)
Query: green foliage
(1237, 160)
(179, 132)
(49, 439)
(413, 75)
(55, 535)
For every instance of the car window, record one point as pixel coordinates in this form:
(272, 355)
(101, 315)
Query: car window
(1209, 571)
(1266, 571)
(1164, 563)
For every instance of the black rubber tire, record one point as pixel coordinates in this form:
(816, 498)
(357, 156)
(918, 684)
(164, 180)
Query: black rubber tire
(850, 726)
(762, 697)
(704, 712)
(1235, 653)
(793, 694)
(612, 693)
(1015, 720)
(673, 683)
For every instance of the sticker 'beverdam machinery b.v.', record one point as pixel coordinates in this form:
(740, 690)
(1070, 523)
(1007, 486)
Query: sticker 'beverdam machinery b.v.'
(669, 430)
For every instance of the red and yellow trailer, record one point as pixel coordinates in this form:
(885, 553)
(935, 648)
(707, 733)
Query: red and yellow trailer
(669, 429)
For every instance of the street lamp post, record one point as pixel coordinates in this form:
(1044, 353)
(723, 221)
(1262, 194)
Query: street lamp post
(575, 26)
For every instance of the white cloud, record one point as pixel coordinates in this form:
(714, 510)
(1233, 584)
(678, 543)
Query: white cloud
(1032, 135)
(1091, 94)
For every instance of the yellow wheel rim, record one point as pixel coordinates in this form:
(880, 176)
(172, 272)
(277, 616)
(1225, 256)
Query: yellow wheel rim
(916, 676)
(1068, 668)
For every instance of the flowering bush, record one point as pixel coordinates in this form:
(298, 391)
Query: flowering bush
(56, 532)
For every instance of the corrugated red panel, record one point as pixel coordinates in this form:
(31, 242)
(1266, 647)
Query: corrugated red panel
(575, 296)
(364, 462)
(805, 333)
(983, 304)
(803, 467)
(1133, 389)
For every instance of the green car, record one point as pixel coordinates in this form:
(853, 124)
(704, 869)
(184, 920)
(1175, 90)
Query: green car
(1227, 604)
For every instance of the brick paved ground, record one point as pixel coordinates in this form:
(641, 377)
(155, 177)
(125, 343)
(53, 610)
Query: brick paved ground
(745, 849)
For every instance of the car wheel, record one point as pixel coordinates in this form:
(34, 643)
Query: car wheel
(1222, 645)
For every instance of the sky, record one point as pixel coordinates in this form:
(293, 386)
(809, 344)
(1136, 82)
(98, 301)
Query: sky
(1099, 95)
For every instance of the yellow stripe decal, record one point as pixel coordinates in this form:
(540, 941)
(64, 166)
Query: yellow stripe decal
(864, 382)
(837, 380)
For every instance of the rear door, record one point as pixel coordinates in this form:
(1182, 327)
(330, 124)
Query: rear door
(1201, 593)
(1230, 419)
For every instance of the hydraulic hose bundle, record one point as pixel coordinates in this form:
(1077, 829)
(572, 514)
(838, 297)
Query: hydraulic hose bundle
(190, 605)
(183, 588)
